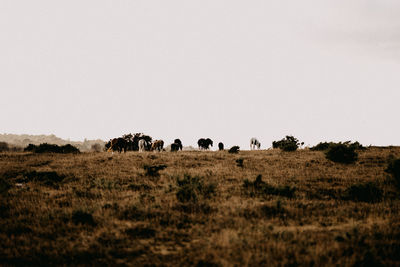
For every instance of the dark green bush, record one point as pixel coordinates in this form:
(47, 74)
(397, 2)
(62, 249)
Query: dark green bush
(341, 153)
(365, 192)
(289, 143)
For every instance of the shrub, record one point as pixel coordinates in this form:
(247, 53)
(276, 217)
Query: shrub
(342, 153)
(83, 217)
(289, 143)
(365, 192)
(394, 169)
(261, 188)
(234, 149)
(153, 170)
(321, 146)
(50, 148)
(69, 149)
(30, 148)
(325, 145)
(191, 188)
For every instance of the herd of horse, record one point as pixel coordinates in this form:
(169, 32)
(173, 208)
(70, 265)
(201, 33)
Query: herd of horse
(140, 142)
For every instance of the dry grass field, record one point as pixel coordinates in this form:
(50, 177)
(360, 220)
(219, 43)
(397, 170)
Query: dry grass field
(255, 208)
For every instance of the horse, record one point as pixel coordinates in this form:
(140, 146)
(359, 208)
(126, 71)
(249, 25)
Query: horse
(220, 146)
(254, 143)
(118, 144)
(204, 143)
(157, 145)
(143, 145)
(176, 145)
(179, 143)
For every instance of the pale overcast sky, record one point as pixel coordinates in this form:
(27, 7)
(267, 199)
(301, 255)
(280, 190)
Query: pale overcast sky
(321, 70)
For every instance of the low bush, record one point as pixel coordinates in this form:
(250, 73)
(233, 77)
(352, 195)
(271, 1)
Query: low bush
(289, 143)
(261, 188)
(83, 217)
(154, 170)
(190, 189)
(326, 145)
(321, 146)
(50, 148)
(234, 149)
(342, 153)
(364, 192)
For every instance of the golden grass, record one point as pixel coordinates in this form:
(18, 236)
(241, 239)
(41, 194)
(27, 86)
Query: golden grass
(106, 210)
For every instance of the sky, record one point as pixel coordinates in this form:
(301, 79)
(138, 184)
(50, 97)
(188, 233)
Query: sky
(321, 70)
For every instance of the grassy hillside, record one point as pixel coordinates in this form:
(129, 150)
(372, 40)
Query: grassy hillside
(201, 208)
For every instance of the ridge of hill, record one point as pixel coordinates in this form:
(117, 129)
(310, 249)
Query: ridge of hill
(23, 140)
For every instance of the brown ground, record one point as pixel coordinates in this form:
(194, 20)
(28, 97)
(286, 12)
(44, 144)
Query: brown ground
(203, 209)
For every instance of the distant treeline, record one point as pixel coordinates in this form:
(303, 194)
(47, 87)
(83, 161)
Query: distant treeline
(17, 142)
(4, 147)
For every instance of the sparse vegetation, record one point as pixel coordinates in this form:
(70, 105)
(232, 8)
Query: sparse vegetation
(259, 188)
(366, 192)
(280, 209)
(239, 162)
(154, 170)
(394, 169)
(190, 189)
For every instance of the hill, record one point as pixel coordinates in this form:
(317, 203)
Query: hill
(24, 140)
(254, 208)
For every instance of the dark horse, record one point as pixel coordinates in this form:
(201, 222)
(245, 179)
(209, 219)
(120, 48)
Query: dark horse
(118, 144)
(220, 146)
(204, 143)
(176, 145)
